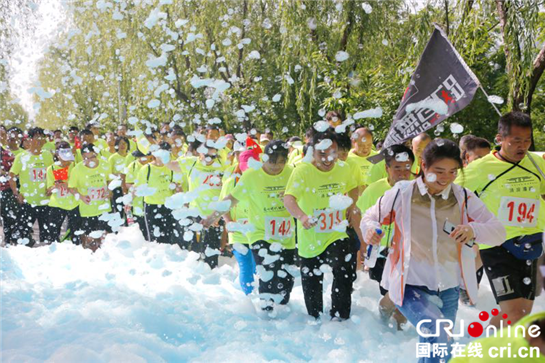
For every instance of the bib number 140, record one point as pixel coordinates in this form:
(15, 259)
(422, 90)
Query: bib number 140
(519, 212)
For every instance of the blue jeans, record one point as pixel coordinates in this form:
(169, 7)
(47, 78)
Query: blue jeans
(246, 266)
(421, 303)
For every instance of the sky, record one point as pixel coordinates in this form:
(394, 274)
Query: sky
(30, 47)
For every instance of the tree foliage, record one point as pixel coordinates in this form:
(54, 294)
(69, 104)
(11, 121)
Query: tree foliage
(278, 64)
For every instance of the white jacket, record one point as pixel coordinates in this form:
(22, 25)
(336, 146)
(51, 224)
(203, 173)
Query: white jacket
(487, 229)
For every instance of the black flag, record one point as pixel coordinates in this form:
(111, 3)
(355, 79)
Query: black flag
(442, 85)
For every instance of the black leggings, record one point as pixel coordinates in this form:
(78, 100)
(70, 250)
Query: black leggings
(207, 243)
(28, 214)
(10, 215)
(336, 256)
(57, 217)
(159, 224)
(273, 264)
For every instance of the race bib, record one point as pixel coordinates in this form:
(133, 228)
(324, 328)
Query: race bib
(518, 212)
(97, 193)
(37, 174)
(278, 227)
(328, 219)
(62, 191)
(213, 181)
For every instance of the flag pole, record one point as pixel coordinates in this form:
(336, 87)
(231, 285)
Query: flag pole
(528, 152)
(487, 98)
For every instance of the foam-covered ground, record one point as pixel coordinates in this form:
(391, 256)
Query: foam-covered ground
(133, 301)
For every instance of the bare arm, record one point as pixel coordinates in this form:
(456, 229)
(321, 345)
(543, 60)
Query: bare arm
(174, 166)
(296, 212)
(354, 217)
(213, 218)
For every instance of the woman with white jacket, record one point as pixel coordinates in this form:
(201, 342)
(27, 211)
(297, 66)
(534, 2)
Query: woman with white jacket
(430, 257)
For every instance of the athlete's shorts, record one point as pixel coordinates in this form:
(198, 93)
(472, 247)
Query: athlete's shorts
(510, 278)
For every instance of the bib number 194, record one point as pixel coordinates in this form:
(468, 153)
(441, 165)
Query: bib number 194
(519, 212)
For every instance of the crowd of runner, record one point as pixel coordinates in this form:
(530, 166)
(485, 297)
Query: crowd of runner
(440, 214)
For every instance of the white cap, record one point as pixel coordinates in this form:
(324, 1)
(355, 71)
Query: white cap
(66, 155)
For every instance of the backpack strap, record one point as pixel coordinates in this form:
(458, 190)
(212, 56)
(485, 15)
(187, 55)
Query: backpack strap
(191, 170)
(391, 212)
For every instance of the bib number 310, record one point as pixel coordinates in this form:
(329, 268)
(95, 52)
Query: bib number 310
(519, 212)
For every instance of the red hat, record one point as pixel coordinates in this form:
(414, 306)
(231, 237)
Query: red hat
(251, 144)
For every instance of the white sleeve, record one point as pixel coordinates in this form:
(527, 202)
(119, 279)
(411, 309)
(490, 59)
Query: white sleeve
(487, 228)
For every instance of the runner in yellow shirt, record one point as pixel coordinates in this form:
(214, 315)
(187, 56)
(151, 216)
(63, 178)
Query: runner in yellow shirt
(117, 165)
(99, 142)
(418, 144)
(236, 220)
(89, 183)
(510, 185)
(204, 175)
(399, 160)
(315, 195)
(131, 175)
(30, 167)
(362, 139)
(474, 149)
(62, 203)
(296, 149)
(156, 183)
(122, 132)
(344, 144)
(273, 229)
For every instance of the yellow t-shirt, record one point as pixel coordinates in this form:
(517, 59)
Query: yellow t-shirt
(94, 183)
(131, 177)
(356, 172)
(264, 194)
(295, 155)
(49, 146)
(32, 173)
(117, 163)
(159, 178)
(362, 162)
(370, 197)
(515, 197)
(206, 180)
(312, 188)
(60, 197)
(238, 213)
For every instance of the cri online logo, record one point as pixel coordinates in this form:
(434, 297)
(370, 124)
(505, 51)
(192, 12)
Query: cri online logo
(426, 329)
(476, 329)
